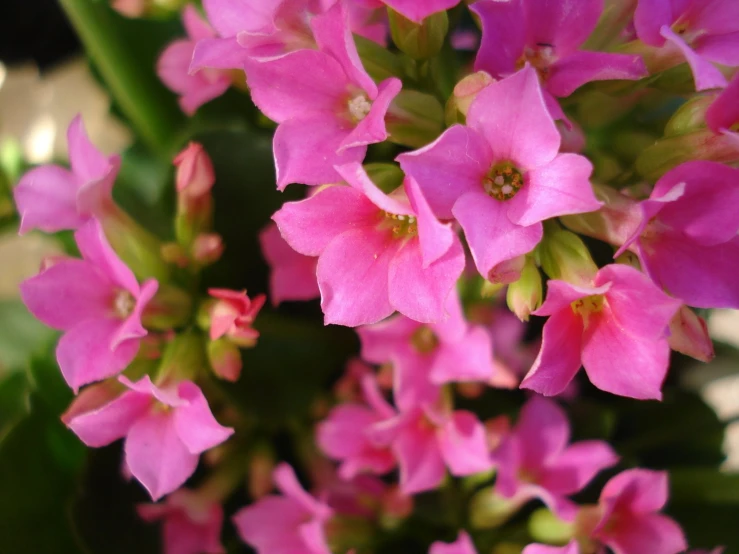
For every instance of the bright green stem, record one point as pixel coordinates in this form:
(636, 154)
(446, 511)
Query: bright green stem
(133, 85)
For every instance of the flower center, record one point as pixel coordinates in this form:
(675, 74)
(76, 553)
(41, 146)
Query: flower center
(401, 226)
(359, 106)
(735, 128)
(424, 340)
(123, 304)
(584, 307)
(503, 181)
(682, 28)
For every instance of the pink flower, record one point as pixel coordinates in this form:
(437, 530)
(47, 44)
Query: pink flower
(629, 521)
(722, 116)
(418, 10)
(97, 302)
(502, 175)
(548, 35)
(376, 253)
(165, 430)
(233, 314)
(571, 548)
(535, 461)
(52, 198)
(287, 524)
(190, 524)
(463, 545)
(195, 175)
(327, 116)
(425, 356)
(687, 237)
(292, 275)
(617, 329)
(173, 66)
(701, 32)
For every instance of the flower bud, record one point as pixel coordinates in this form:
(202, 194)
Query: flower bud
(464, 93)
(171, 307)
(225, 359)
(563, 255)
(488, 509)
(142, 8)
(232, 316)
(546, 527)
(524, 296)
(689, 335)
(689, 117)
(419, 40)
(194, 181)
(414, 119)
(507, 272)
(207, 248)
(184, 358)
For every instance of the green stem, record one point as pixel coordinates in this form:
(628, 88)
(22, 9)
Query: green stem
(133, 85)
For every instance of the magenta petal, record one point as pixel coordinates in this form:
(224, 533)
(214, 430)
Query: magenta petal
(463, 545)
(705, 74)
(416, 10)
(559, 358)
(724, 111)
(571, 548)
(85, 352)
(436, 238)
(453, 164)
(307, 150)
(353, 278)
(469, 359)
(543, 431)
(721, 49)
(156, 456)
(270, 525)
(420, 293)
(463, 444)
(653, 533)
(111, 421)
(513, 117)
(293, 275)
(620, 363)
(229, 17)
(194, 422)
(649, 18)
(421, 465)
(309, 225)
(196, 27)
(67, 293)
(503, 36)
(561, 187)
(209, 53)
(132, 328)
(382, 340)
(95, 248)
(357, 177)
(287, 483)
(372, 128)
(46, 198)
(560, 294)
(492, 237)
(564, 25)
(87, 162)
(579, 68)
(576, 466)
(638, 490)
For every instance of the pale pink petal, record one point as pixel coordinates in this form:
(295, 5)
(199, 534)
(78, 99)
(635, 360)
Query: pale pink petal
(543, 432)
(435, 238)
(156, 456)
(705, 74)
(314, 537)
(287, 483)
(229, 17)
(576, 466)
(418, 10)
(270, 525)
(420, 293)
(293, 275)
(469, 359)
(649, 18)
(453, 164)
(647, 534)
(411, 384)
(491, 235)
(357, 177)
(194, 422)
(109, 422)
(46, 198)
(579, 68)
(463, 545)
(513, 117)
(381, 340)
(561, 187)
(309, 225)
(571, 548)
(724, 111)
(353, 278)
(503, 36)
(95, 248)
(210, 54)
(463, 444)
(87, 162)
(559, 358)
(196, 27)
(421, 465)
(372, 129)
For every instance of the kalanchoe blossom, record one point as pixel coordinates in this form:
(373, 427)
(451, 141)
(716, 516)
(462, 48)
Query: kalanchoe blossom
(535, 460)
(627, 518)
(377, 253)
(722, 116)
(327, 116)
(52, 198)
(233, 314)
(687, 237)
(286, 524)
(292, 275)
(97, 302)
(463, 545)
(700, 31)
(548, 35)
(427, 356)
(571, 548)
(502, 175)
(191, 524)
(165, 429)
(173, 66)
(617, 329)
(195, 175)
(418, 10)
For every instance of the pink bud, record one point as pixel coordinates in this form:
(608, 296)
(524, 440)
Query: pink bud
(207, 248)
(225, 359)
(689, 335)
(232, 315)
(129, 8)
(195, 175)
(466, 90)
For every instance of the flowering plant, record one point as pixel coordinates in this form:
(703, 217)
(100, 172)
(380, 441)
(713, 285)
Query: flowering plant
(337, 296)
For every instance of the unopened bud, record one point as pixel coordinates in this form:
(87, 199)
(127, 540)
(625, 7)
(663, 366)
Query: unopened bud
(507, 272)
(174, 254)
(689, 117)
(184, 358)
(232, 316)
(573, 137)
(563, 255)
(171, 307)
(689, 335)
(144, 8)
(414, 119)
(194, 181)
(488, 509)
(546, 527)
(465, 91)
(419, 40)
(207, 248)
(524, 296)
(225, 359)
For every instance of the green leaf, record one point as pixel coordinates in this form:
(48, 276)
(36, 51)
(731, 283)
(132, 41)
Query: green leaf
(14, 402)
(21, 335)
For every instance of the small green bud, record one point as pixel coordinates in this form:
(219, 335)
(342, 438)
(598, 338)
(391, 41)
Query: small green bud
(414, 119)
(525, 295)
(546, 527)
(488, 509)
(419, 40)
(563, 255)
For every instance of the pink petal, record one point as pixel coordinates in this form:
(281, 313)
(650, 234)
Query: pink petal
(543, 432)
(231, 16)
(371, 129)
(470, 359)
(576, 466)
(571, 548)
(652, 533)
(705, 74)
(420, 293)
(270, 525)
(313, 536)
(452, 165)
(85, 353)
(46, 198)
(194, 422)
(156, 456)
(166, 396)
(559, 358)
(109, 422)
(724, 111)
(564, 25)
(382, 340)
(579, 68)
(215, 54)
(95, 248)
(717, 17)
(649, 18)
(621, 363)
(353, 278)
(288, 484)
(503, 36)
(435, 238)
(411, 384)
(417, 11)
(561, 187)
(513, 117)
(357, 177)
(721, 49)
(309, 225)
(87, 162)
(561, 294)
(463, 444)
(463, 545)
(131, 327)
(491, 235)
(293, 275)
(307, 150)
(196, 26)
(421, 464)
(173, 66)
(69, 292)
